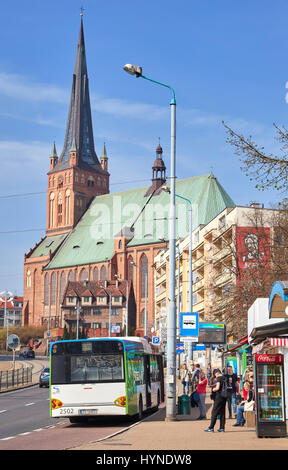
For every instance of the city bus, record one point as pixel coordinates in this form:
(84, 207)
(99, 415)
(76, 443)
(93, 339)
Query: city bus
(104, 376)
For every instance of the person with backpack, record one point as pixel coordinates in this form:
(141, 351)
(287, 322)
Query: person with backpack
(221, 394)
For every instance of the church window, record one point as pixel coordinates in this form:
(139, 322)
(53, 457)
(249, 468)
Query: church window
(51, 210)
(144, 266)
(120, 244)
(142, 318)
(76, 177)
(130, 268)
(62, 285)
(99, 181)
(53, 289)
(60, 182)
(83, 275)
(103, 274)
(28, 278)
(67, 207)
(46, 289)
(60, 209)
(82, 179)
(95, 274)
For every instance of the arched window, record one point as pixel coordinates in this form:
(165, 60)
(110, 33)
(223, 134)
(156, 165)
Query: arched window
(83, 275)
(60, 209)
(142, 318)
(120, 244)
(62, 285)
(103, 274)
(53, 289)
(51, 210)
(144, 266)
(67, 207)
(28, 278)
(95, 274)
(130, 268)
(46, 289)
(71, 276)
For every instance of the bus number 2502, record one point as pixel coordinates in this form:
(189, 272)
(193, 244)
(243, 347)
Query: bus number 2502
(66, 411)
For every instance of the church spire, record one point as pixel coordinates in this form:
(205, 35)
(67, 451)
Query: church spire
(79, 130)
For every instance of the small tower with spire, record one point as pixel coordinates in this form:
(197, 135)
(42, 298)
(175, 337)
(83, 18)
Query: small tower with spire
(53, 157)
(104, 159)
(158, 172)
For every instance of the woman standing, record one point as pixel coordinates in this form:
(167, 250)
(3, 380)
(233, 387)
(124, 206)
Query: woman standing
(201, 390)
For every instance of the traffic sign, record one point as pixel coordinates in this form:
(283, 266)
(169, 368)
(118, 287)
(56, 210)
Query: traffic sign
(189, 324)
(13, 341)
(180, 348)
(156, 340)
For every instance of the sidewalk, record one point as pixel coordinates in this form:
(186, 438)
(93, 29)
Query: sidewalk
(154, 433)
(37, 365)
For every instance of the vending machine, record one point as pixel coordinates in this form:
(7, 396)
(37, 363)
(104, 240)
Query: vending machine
(270, 395)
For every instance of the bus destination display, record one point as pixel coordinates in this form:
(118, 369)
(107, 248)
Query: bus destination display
(212, 333)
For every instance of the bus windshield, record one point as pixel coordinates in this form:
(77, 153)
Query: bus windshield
(87, 361)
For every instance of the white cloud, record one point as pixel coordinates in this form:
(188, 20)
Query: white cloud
(15, 153)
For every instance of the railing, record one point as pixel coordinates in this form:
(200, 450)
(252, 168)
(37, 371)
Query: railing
(12, 378)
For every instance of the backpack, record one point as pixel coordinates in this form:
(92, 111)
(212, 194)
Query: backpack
(226, 388)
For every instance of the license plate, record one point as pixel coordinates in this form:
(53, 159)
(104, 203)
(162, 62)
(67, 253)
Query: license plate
(88, 412)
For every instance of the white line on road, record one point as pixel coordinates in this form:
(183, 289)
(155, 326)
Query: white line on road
(2, 411)
(29, 404)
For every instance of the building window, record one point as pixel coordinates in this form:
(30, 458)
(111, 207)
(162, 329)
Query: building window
(144, 266)
(62, 285)
(71, 276)
(28, 278)
(130, 268)
(142, 318)
(70, 299)
(117, 299)
(96, 311)
(103, 274)
(60, 208)
(83, 275)
(86, 299)
(95, 274)
(46, 289)
(114, 311)
(53, 289)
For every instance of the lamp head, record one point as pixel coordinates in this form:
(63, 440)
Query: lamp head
(133, 70)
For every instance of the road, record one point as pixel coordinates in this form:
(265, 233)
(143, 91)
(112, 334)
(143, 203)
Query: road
(25, 424)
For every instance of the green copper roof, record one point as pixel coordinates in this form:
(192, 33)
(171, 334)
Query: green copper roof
(92, 240)
(49, 243)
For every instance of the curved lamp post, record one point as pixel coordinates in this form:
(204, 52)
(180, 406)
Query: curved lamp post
(171, 320)
(146, 291)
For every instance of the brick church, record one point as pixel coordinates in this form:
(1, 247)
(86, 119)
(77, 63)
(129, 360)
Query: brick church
(99, 239)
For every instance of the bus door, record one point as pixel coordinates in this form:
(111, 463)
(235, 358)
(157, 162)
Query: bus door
(147, 377)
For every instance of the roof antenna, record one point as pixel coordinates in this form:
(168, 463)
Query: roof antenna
(82, 9)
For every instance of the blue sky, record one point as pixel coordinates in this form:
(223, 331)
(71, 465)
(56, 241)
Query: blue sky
(226, 61)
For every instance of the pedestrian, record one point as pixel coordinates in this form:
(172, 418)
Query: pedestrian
(195, 376)
(209, 372)
(212, 383)
(219, 404)
(248, 397)
(201, 390)
(186, 379)
(234, 386)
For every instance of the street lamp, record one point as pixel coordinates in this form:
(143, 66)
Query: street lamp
(171, 321)
(146, 291)
(8, 296)
(165, 188)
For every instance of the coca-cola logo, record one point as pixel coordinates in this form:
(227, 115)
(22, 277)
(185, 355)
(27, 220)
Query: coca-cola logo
(269, 358)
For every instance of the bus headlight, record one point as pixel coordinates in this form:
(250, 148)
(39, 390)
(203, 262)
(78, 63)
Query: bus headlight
(121, 401)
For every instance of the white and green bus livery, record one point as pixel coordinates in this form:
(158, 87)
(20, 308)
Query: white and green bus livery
(104, 376)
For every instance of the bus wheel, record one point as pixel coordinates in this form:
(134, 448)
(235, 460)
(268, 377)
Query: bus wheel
(140, 408)
(77, 420)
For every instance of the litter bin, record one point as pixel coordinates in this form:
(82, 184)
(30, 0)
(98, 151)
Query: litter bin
(183, 405)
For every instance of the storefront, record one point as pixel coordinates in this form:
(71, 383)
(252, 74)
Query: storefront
(268, 326)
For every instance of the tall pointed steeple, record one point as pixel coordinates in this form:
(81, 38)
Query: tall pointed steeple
(79, 130)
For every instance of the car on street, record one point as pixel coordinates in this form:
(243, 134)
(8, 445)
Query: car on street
(27, 354)
(44, 377)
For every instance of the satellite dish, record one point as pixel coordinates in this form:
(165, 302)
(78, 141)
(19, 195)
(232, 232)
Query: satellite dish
(13, 341)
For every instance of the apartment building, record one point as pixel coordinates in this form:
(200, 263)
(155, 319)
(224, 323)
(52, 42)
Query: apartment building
(228, 243)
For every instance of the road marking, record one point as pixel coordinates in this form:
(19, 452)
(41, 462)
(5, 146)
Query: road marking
(24, 433)
(2, 411)
(7, 438)
(29, 404)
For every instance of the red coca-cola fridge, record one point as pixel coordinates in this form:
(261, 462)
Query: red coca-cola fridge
(270, 395)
